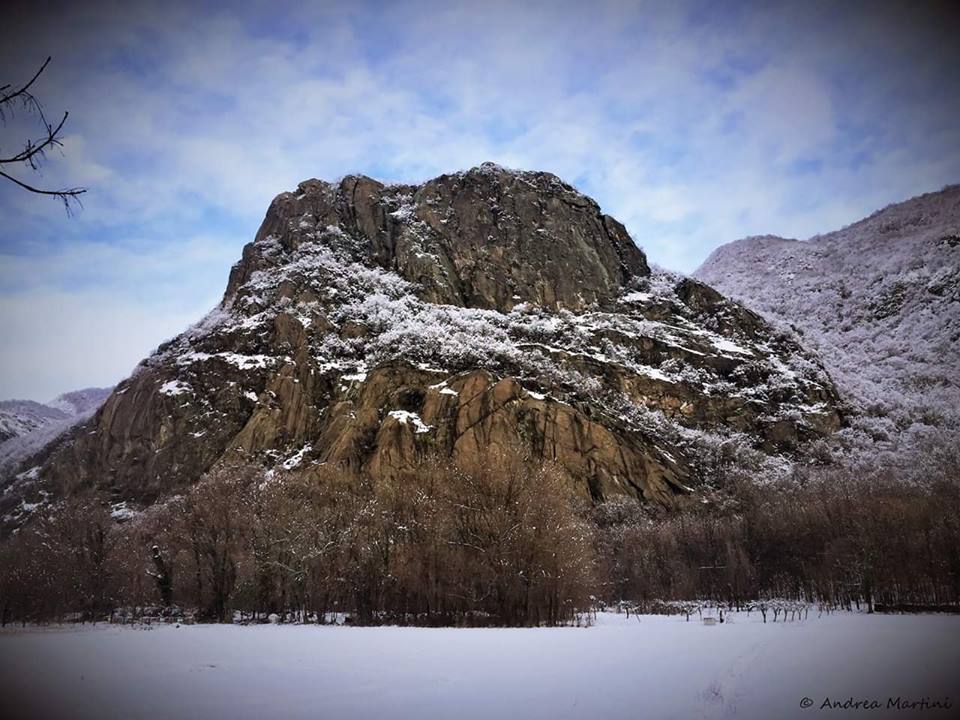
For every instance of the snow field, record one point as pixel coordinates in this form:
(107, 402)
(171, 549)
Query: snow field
(654, 667)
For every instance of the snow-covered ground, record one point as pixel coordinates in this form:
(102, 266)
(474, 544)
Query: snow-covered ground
(657, 667)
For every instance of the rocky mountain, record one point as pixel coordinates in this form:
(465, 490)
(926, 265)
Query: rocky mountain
(370, 326)
(879, 300)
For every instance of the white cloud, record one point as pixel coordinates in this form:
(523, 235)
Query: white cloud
(57, 341)
(185, 127)
(86, 314)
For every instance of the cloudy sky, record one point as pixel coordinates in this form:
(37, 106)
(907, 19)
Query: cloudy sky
(693, 123)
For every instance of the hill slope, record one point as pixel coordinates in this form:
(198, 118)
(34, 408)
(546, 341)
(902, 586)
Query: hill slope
(27, 426)
(19, 417)
(879, 299)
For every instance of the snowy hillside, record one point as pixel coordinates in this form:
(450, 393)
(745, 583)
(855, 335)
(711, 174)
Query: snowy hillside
(80, 402)
(879, 299)
(19, 417)
(27, 426)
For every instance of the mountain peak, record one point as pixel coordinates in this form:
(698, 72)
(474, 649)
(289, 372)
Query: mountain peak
(482, 238)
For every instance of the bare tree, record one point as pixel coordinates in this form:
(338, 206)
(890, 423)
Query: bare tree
(215, 517)
(35, 149)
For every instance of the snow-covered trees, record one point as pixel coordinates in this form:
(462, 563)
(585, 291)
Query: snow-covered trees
(878, 300)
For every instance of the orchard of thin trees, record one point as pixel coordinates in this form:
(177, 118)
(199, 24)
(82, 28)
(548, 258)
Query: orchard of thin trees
(510, 544)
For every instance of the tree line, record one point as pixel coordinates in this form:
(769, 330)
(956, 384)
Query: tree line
(507, 544)
(835, 538)
(510, 543)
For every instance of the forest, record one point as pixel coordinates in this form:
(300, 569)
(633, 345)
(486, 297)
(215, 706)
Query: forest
(512, 543)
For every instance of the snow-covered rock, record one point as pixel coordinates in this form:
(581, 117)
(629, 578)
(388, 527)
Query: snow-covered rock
(370, 326)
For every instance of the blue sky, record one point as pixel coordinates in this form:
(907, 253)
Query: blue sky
(694, 123)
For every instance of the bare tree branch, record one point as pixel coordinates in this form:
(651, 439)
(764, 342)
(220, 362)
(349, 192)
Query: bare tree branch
(34, 151)
(25, 88)
(66, 195)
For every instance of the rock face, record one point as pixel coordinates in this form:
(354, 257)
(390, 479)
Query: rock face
(373, 325)
(484, 239)
(879, 300)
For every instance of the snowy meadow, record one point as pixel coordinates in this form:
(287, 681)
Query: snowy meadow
(622, 667)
